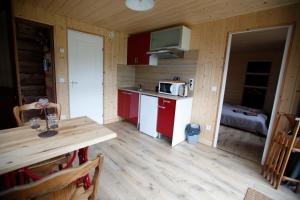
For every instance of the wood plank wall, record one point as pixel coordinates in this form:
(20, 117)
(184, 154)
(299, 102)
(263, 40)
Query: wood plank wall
(115, 52)
(210, 39)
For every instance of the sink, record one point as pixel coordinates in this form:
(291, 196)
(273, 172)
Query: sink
(134, 89)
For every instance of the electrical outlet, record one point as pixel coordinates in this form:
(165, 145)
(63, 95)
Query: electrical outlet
(208, 127)
(61, 52)
(191, 84)
(61, 79)
(213, 88)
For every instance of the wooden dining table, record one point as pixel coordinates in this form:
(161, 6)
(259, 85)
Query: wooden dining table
(21, 147)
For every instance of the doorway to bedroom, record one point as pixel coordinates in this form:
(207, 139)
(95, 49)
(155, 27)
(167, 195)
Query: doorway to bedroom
(252, 77)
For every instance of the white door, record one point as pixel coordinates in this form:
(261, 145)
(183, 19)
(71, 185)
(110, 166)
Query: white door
(148, 115)
(85, 57)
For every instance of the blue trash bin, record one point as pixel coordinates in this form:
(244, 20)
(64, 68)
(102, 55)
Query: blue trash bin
(192, 132)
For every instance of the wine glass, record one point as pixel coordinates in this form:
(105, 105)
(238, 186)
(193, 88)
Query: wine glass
(35, 122)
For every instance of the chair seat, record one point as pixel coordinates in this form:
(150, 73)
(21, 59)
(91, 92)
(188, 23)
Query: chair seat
(45, 167)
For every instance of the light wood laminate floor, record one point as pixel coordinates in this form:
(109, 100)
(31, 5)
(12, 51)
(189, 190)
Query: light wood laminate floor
(241, 143)
(137, 166)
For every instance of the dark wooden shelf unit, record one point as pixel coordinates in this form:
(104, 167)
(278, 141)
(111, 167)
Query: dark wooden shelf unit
(34, 43)
(256, 84)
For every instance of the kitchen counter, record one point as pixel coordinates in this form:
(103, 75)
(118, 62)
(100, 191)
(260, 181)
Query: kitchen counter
(156, 94)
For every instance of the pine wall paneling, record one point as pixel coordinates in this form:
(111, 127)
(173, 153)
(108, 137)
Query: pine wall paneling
(115, 51)
(210, 39)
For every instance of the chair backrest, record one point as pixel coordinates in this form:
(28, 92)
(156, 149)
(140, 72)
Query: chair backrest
(284, 122)
(60, 185)
(18, 111)
(281, 145)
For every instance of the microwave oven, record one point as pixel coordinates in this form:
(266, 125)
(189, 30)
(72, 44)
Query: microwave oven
(170, 87)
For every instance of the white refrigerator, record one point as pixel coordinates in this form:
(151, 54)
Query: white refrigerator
(148, 115)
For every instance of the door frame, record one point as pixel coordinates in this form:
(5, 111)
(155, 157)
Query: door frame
(278, 88)
(68, 68)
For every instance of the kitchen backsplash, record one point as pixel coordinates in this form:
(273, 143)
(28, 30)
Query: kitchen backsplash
(126, 76)
(148, 76)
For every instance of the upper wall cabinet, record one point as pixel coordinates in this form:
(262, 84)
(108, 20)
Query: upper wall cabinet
(137, 48)
(171, 38)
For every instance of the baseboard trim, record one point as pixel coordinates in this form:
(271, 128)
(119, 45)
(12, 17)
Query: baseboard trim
(205, 142)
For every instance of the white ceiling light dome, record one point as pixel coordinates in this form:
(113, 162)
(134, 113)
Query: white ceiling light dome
(140, 5)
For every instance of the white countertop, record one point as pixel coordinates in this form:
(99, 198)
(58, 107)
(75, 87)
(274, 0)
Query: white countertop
(156, 94)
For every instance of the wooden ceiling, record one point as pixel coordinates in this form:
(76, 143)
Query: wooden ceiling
(113, 14)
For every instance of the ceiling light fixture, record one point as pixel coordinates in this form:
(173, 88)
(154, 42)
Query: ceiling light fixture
(140, 5)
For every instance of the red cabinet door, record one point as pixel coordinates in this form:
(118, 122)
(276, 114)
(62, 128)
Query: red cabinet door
(143, 48)
(133, 106)
(128, 105)
(166, 115)
(132, 50)
(137, 47)
(122, 101)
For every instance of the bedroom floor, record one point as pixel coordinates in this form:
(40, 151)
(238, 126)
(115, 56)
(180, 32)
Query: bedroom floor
(241, 143)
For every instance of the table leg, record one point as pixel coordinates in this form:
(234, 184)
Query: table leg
(83, 157)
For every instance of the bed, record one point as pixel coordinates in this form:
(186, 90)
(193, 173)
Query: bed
(244, 118)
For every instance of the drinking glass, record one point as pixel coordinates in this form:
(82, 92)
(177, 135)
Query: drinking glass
(35, 122)
(52, 121)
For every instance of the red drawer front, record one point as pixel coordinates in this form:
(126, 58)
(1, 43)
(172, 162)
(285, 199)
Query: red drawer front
(166, 115)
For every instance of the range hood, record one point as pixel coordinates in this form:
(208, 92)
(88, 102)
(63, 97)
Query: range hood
(170, 42)
(167, 53)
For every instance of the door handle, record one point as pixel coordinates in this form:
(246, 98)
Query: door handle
(166, 101)
(162, 107)
(73, 83)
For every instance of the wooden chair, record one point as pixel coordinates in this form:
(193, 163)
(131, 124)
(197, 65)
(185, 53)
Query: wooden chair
(60, 185)
(19, 110)
(47, 166)
(282, 144)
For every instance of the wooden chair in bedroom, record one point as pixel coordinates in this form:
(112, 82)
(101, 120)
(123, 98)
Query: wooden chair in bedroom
(283, 142)
(61, 185)
(50, 165)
